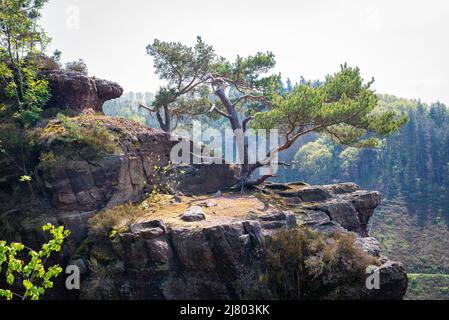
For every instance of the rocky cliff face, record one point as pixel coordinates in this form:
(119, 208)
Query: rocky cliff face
(196, 246)
(77, 182)
(219, 254)
(83, 185)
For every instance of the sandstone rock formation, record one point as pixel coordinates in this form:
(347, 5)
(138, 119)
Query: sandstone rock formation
(77, 92)
(212, 255)
(216, 258)
(82, 185)
(77, 188)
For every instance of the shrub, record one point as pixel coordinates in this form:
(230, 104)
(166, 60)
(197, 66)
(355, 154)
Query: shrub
(99, 140)
(10, 139)
(109, 222)
(78, 66)
(72, 129)
(84, 138)
(304, 264)
(18, 151)
(164, 178)
(48, 160)
(48, 63)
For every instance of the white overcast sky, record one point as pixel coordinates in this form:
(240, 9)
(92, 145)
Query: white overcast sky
(403, 44)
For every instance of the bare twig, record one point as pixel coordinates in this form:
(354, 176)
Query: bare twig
(10, 211)
(252, 97)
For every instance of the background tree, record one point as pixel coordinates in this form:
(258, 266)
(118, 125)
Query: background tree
(23, 90)
(127, 106)
(186, 71)
(411, 166)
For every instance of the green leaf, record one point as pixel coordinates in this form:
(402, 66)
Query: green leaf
(25, 179)
(6, 294)
(36, 278)
(10, 279)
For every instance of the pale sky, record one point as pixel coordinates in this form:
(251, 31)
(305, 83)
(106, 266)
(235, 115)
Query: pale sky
(403, 44)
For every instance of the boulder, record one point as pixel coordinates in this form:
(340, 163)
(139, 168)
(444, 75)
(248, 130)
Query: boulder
(274, 225)
(369, 245)
(201, 178)
(279, 216)
(139, 227)
(77, 92)
(149, 229)
(341, 188)
(207, 204)
(365, 203)
(313, 194)
(393, 285)
(345, 204)
(343, 213)
(278, 220)
(194, 213)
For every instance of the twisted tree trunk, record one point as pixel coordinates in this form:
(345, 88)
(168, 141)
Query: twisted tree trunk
(240, 128)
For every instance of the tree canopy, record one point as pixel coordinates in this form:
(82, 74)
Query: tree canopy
(410, 165)
(23, 91)
(343, 107)
(186, 71)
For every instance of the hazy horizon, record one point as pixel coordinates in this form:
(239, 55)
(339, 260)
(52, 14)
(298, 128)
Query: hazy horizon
(404, 45)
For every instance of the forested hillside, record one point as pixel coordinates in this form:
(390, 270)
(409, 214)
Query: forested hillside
(411, 170)
(127, 106)
(412, 164)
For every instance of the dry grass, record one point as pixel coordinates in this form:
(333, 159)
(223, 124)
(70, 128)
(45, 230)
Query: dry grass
(229, 207)
(118, 218)
(84, 137)
(305, 264)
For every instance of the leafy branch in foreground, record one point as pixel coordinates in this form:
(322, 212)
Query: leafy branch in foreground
(27, 272)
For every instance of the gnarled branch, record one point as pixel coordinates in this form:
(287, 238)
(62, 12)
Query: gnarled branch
(142, 106)
(245, 123)
(252, 97)
(220, 112)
